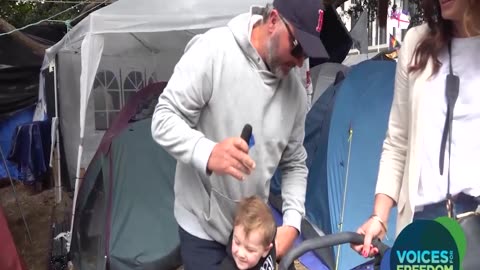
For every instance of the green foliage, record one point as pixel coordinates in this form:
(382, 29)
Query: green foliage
(22, 13)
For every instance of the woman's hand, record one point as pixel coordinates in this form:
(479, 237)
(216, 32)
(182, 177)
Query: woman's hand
(371, 229)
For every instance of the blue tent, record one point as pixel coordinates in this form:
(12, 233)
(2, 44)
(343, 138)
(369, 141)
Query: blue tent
(344, 133)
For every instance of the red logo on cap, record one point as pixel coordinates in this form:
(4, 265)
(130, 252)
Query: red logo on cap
(320, 21)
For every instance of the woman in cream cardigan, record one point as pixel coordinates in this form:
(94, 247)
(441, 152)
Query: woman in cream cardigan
(409, 176)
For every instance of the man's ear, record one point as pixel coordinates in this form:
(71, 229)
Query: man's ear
(273, 20)
(267, 250)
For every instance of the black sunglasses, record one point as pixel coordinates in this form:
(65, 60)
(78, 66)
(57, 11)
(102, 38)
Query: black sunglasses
(297, 50)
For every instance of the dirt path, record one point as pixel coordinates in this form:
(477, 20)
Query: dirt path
(37, 208)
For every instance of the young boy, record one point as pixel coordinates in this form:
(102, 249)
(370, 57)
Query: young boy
(252, 243)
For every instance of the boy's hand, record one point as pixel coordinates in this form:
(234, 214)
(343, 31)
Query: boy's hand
(286, 235)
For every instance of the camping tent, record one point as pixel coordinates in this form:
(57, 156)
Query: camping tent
(344, 133)
(324, 75)
(125, 205)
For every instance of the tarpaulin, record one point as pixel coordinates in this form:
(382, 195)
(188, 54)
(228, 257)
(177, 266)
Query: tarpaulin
(31, 150)
(7, 129)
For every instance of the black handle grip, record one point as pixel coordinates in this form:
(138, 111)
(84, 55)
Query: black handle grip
(327, 241)
(246, 133)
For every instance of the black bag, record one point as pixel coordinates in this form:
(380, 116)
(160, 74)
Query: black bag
(470, 221)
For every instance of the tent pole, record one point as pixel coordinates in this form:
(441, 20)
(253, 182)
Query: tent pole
(78, 180)
(58, 184)
(92, 44)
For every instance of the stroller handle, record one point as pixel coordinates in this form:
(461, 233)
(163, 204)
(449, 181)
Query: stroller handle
(327, 241)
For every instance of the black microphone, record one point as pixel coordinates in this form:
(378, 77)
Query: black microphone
(246, 133)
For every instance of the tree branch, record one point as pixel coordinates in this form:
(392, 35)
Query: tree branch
(37, 48)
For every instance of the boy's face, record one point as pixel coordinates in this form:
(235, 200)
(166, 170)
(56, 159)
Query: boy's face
(247, 251)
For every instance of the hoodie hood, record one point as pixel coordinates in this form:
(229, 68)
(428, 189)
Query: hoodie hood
(240, 27)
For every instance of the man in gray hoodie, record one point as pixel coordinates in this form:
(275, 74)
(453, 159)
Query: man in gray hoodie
(228, 77)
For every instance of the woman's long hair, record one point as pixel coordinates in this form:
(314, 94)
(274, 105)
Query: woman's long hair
(441, 32)
(435, 40)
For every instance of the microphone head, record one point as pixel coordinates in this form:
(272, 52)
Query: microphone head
(246, 133)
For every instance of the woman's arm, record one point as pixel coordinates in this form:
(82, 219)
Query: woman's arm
(393, 158)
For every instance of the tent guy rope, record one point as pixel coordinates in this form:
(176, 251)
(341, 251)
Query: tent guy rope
(342, 215)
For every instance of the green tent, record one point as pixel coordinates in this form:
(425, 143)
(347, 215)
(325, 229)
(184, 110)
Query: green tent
(124, 214)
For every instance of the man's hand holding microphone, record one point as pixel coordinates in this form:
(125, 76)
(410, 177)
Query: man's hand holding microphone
(230, 156)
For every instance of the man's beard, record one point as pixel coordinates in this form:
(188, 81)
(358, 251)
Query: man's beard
(273, 59)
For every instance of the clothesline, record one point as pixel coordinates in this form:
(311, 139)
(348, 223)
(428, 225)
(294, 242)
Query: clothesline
(49, 19)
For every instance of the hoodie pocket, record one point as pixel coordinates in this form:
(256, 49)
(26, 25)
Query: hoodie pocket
(220, 216)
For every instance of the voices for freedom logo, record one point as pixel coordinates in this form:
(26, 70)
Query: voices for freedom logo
(438, 244)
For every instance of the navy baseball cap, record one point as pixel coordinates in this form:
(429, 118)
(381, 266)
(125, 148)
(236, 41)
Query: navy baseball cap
(306, 16)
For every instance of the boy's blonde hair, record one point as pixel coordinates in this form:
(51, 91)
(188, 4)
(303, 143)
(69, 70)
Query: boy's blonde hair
(254, 214)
